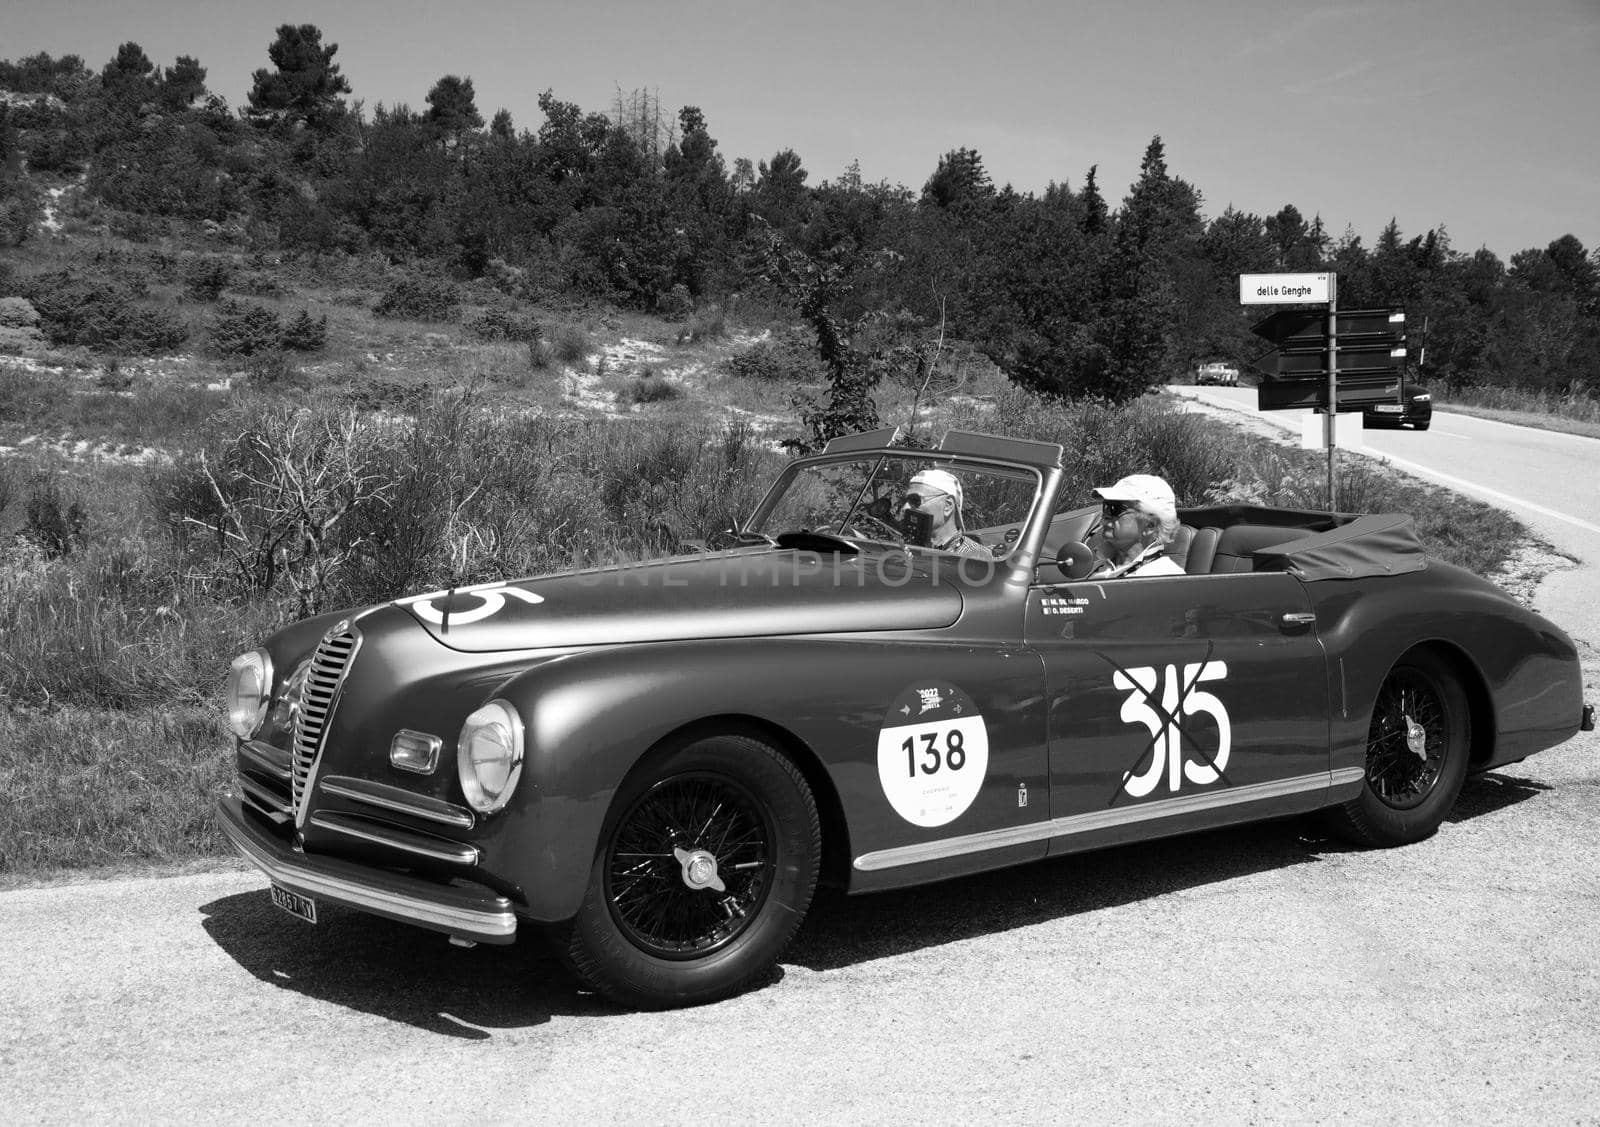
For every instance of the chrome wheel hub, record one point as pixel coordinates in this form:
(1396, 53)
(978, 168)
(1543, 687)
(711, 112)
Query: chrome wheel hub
(1416, 738)
(699, 869)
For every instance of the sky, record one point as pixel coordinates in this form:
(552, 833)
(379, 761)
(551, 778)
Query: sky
(1479, 115)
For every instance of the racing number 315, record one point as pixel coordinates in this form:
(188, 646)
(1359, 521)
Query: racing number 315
(954, 755)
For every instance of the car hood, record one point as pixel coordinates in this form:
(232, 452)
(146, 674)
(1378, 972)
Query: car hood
(721, 595)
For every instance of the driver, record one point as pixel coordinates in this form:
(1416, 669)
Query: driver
(930, 514)
(1138, 520)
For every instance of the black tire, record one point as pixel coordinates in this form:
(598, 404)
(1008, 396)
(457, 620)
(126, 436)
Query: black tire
(1408, 792)
(1424, 426)
(651, 934)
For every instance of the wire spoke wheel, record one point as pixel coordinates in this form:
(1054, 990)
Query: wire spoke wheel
(1418, 743)
(1407, 740)
(705, 868)
(690, 866)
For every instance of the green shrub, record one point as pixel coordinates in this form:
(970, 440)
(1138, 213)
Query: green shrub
(274, 368)
(305, 333)
(260, 283)
(20, 212)
(497, 324)
(571, 344)
(420, 299)
(675, 304)
(205, 278)
(651, 388)
(99, 314)
(137, 227)
(242, 328)
(55, 517)
(541, 355)
(787, 358)
(709, 325)
(8, 488)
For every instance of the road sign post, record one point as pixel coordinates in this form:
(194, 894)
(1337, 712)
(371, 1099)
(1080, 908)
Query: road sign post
(1332, 417)
(1324, 360)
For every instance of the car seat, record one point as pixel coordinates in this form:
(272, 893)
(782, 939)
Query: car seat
(1236, 546)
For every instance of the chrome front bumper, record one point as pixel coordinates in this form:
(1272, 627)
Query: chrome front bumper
(469, 913)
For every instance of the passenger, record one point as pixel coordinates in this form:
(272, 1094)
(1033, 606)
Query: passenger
(1138, 520)
(934, 499)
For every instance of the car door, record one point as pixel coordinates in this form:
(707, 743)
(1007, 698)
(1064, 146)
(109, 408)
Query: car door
(1179, 702)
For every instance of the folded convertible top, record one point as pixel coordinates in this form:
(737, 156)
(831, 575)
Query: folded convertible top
(1383, 544)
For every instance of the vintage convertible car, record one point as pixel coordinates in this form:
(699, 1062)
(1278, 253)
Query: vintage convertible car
(656, 763)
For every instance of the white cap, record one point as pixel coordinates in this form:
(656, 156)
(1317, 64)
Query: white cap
(942, 480)
(1148, 491)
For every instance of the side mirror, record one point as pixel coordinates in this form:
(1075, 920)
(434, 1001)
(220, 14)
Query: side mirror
(1075, 560)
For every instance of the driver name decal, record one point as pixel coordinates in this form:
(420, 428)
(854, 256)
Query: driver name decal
(1160, 700)
(933, 753)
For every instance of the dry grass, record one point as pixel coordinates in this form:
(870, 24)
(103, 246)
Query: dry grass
(86, 787)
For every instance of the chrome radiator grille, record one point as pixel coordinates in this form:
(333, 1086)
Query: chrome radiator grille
(328, 667)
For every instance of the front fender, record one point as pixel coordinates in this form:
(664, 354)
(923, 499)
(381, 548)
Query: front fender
(591, 717)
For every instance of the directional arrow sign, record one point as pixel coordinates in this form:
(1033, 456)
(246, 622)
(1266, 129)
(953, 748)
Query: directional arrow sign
(1372, 342)
(1307, 394)
(1309, 327)
(1356, 361)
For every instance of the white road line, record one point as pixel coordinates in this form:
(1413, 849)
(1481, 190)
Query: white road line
(1425, 472)
(1472, 486)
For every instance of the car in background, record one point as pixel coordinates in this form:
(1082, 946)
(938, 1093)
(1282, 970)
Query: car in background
(1414, 408)
(1224, 375)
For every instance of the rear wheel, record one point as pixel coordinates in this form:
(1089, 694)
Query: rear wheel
(1417, 747)
(704, 873)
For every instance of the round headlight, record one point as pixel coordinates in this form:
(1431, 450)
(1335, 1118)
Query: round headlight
(489, 756)
(249, 692)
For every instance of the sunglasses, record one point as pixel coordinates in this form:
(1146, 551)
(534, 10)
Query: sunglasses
(917, 500)
(1113, 510)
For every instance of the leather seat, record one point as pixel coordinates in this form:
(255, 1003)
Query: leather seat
(1236, 545)
(1178, 550)
(1202, 551)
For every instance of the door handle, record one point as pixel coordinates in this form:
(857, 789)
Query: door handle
(1296, 620)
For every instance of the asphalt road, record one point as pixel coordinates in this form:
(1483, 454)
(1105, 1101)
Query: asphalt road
(1257, 975)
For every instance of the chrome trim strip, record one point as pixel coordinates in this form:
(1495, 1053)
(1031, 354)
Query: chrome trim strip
(1100, 820)
(1346, 775)
(396, 837)
(399, 801)
(330, 665)
(272, 760)
(264, 800)
(456, 921)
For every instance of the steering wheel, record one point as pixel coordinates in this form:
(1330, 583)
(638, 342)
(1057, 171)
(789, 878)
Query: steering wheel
(866, 516)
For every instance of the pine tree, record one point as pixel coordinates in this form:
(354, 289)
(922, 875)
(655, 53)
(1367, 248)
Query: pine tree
(453, 112)
(959, 183)
(305, 87)
(1094, 204)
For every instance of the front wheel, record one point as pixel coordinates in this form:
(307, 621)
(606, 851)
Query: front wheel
(704, 872)
(1417, 747)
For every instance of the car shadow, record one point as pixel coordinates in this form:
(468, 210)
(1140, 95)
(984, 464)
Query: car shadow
(1485, 794)
(391, 970)
(412, 976)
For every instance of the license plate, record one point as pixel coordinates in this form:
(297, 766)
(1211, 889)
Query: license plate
(1389, 408)
(295, 904)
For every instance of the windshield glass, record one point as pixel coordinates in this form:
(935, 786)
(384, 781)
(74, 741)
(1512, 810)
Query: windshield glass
(910, 499)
